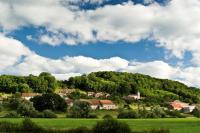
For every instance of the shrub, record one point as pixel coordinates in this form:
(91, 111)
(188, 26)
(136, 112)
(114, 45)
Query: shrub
(12, 114)
(49, 114)
(28, 125)
(107, 117)
(175, 114)
(196, 112)
(80, 109)
(25, 108)
(111, 126)
(8, 127)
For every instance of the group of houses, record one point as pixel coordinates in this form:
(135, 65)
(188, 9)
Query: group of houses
(181, 106)
(99, 101)
(95, 104)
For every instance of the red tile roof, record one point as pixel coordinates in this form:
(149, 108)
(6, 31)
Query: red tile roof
(108, 102)
(29, 94)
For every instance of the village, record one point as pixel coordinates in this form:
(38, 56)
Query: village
(100, 100)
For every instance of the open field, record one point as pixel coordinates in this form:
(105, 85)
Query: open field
(187, 125)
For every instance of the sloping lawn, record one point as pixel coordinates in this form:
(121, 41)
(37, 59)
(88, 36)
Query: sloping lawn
(187, 125)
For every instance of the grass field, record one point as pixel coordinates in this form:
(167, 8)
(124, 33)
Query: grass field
(187, 125)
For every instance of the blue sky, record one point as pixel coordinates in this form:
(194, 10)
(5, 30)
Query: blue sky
(69, 38)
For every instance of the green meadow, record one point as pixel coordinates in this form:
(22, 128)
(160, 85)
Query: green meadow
(185, 125)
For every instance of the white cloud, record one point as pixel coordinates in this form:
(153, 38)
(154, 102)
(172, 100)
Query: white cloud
(11, 62)
(176, 26)
(11, 51)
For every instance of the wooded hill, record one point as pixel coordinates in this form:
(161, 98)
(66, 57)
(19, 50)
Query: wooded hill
(118, 84)
(122, 83)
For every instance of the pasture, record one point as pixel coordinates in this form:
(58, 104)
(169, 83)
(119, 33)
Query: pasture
(185, 125)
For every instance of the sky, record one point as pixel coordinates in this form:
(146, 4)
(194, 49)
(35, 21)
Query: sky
(160, 38)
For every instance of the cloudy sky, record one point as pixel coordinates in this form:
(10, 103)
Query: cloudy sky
(160, 38)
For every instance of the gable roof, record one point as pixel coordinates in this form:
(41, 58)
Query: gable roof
(106, 102)
(29, 94)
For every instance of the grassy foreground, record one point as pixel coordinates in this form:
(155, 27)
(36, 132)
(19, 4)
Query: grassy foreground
(187, 125)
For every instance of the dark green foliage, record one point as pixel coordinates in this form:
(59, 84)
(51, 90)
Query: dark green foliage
(12, 114)
(175, 114)
(43, 83)
(196, 112)
(155, 112)
(29, 126)
(25, 108)
(111, 126)
(49, 114)
(157, 91)
(51, 80)
(8, 127)
(50, 101)
(107, 117)
(128, 114)
(80, 109)
(77, 95)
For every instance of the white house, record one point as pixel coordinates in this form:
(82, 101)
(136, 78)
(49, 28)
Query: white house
(135, 96)
(28, 96)
(107, 104)
(188, 109)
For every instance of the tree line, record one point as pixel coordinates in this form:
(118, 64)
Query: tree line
(121, 84)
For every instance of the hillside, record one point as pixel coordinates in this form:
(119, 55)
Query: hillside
(122, 83)
(118, 84)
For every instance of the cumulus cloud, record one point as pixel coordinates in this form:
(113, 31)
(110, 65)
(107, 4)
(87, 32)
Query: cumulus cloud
(176, 26)
(22, 61)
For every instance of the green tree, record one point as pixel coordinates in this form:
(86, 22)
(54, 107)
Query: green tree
(80, 109)
(50, 101)
(25, 108)
(51, 80)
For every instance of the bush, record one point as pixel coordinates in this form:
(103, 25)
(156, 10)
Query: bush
(28, 125)
(25, 108)
(175, 114)
(111, 126)
(196, 112)
(107, 117)
(49, 114)
(80, 109)
(12, 114)
(8, 127)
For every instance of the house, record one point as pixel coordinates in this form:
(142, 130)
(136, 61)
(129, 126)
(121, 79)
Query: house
(134, 96)
(94, 104)
(178, 105)
(69, 102)
(107, 105)
(90, 94)
(99, 94)
(28, 96)
(188, 109)
(65, 92)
